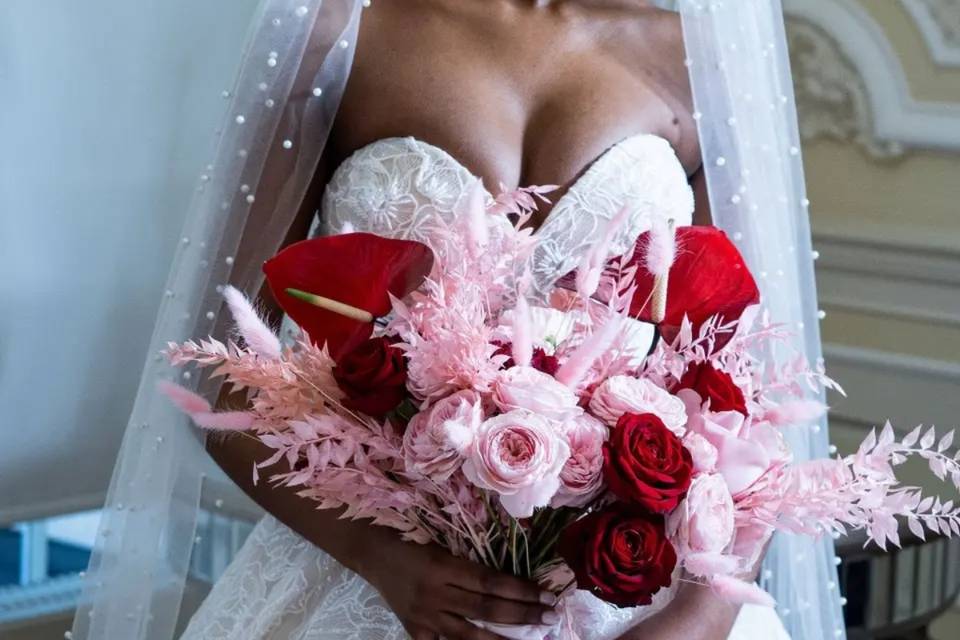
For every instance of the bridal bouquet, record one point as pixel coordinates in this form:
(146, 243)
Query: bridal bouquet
(610, 434)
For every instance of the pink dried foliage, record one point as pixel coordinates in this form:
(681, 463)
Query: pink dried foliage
(860, 491)
(453, 331)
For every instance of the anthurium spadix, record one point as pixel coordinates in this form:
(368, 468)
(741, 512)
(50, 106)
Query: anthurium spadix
(334, 287)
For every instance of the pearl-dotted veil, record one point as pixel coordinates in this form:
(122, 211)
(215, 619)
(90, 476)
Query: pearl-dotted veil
(747, 120)
(297, 61)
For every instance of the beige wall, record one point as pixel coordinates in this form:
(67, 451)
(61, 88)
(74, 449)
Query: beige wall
(889, 275)
(911, 202)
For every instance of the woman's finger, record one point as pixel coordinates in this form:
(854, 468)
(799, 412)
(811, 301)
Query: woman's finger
(421, 633)
(479, 606)
(479, 579)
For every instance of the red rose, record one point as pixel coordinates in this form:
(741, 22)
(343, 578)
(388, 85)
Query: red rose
(544, 362)
(541, 360)
(621, 554)
(714, 385)
(374, 377)
(644, 463)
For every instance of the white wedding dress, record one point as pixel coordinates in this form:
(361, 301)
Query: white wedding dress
(281, 587)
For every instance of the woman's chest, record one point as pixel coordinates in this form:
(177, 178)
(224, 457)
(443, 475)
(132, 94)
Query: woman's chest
(533, 100)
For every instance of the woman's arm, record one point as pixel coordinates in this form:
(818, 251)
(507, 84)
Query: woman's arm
(430, 591)
(696, 613)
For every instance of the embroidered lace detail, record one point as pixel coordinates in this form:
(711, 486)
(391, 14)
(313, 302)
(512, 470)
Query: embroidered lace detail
(641, 173)
(280, 587)
(401, 187)
(397, 187)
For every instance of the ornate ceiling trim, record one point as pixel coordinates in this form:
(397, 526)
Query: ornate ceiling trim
(851, 73)
(939, 23)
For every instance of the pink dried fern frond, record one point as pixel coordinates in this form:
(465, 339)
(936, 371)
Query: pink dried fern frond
(520, 202)
(860, 491)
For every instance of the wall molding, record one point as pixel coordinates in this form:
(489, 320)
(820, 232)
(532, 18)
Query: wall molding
(857, 76)
(907, 390)
(889, 279)
(833, 100)
(939, 24)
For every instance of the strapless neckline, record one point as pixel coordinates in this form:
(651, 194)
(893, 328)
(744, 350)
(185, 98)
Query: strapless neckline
(403, 186)
(588, 168)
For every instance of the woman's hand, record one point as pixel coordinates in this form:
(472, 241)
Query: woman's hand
(433, 593)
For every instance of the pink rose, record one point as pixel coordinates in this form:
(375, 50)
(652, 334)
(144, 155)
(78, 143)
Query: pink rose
(581, 478)
(519, 456)
(703, 522)
(624, 394)
(703, 453)
(746, 450)
(432, 441)
(536, 391)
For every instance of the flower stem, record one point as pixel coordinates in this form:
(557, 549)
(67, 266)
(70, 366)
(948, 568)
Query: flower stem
(513, 545)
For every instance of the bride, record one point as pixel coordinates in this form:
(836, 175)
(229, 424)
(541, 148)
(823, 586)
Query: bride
(590, 95)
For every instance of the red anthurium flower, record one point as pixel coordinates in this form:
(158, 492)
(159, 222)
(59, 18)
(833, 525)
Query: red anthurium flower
(356, 269)
(709, 277)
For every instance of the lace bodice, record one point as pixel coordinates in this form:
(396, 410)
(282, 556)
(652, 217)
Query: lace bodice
(280, 587)
(400, 187)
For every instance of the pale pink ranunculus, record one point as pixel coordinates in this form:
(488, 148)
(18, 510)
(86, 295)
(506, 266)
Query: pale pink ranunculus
(536, 391)
(519, 456)
(746, 450)
(703, 453)
(704, 521)
(618, 395)
(434, 437)
(581, 478)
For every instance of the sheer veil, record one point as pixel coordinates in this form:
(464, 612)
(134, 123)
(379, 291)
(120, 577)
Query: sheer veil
(296, 64)
(743, 96)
